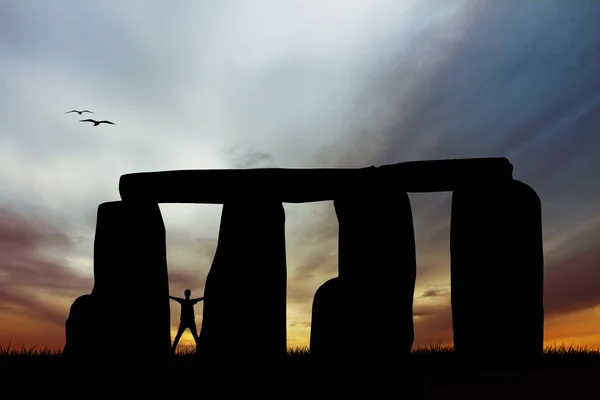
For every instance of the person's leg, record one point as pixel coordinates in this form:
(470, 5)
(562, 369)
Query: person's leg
(192, 327)
(178, 336)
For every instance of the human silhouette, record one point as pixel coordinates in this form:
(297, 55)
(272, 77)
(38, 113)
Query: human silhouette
(188, 317)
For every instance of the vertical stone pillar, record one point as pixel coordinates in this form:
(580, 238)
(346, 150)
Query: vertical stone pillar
(131, 284)
(244, 317)
(83, 332)
(375, 289)
(331, 341)
(497, 271)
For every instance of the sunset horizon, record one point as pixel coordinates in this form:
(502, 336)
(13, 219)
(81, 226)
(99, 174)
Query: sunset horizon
(580, 329)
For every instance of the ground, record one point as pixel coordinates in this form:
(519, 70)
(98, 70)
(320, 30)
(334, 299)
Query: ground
(564, 373)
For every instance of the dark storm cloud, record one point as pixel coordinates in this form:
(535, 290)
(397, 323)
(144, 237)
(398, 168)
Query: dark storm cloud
(507, 92)
(516, 92)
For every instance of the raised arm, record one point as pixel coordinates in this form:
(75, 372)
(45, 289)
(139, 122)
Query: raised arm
(198, 299)
(177, 299)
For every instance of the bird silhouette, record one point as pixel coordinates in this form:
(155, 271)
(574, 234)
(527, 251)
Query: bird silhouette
(79, 112)
(96, 123)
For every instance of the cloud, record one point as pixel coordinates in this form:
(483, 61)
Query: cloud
(18, 232)
(434, 328)
(488, 91)
(189, 258)
(243, 156)
(182, 280)
(21, 304)
(32, 266)
(312, 251)
(571, 282)
(524, 93)
(303, 324)
(316, 267)
(191, 246)
(433, 292)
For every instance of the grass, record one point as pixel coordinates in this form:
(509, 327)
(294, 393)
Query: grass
(567, 372)
(32, 352)
(555, 355)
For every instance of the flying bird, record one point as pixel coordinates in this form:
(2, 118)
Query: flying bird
(96, 123)
(79, 112)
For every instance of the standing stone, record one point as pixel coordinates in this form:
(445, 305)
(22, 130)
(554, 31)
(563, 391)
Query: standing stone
(131, 284)
(82, 328)
(497, 270)
(244, 316)
(375, 288)
(329, 325)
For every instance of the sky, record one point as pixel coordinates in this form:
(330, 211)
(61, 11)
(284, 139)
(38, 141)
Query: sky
(294, 84)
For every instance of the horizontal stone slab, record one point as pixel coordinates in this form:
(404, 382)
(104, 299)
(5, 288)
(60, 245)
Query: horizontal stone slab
(219, 186)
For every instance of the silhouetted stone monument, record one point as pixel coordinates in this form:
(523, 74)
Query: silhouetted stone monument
(496, 264)
(307, 185)
(332, 325)
(130, 295)
(244, 318)
(377, 257)
(83, 331)
(497, 271)
(377, 272)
